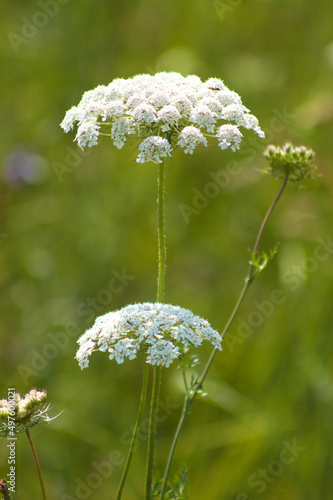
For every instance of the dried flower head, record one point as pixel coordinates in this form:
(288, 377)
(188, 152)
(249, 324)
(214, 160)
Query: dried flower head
(294, 161)
(164, 111)
(162, 332)
(17, 413)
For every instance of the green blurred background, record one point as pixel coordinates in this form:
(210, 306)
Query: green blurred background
(69, 222)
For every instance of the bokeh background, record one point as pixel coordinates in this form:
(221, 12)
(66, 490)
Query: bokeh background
(70, 222)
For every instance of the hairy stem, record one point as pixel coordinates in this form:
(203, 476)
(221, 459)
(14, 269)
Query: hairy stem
(267, 216)
(185, 410)
(161, 232)
(152, 432)
(159, 298)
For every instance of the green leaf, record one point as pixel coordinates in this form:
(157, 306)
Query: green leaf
(260, 261)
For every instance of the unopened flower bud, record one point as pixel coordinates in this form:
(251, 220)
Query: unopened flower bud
(296, 162)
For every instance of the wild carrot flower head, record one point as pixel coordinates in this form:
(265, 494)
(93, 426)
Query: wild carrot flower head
(17, 413)
(164, 111)
(291, 160)
(162, 332)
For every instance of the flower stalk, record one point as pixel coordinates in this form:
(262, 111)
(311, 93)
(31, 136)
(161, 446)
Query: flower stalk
(159, 299)
(161, 232)
(193, 392)
(39, 470)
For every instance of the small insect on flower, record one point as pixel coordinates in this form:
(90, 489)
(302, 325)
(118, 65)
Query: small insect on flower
(213, 88)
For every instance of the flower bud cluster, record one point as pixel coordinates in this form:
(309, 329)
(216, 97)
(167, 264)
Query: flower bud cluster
(296, 162)
(17, 413)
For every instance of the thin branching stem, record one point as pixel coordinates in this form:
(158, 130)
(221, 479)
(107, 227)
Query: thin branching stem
(185, 410)
(152, 432)
(191, 395)
(39, 471)
(161, 232)
(267, 216)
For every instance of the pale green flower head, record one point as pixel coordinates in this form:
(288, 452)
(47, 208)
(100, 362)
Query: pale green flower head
(18, 413)
(162, 332)
(297, 162)
(162, 111)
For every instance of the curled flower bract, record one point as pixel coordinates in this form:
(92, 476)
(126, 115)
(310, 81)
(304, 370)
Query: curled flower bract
(17, 413)
(163, 332)
(160, 105)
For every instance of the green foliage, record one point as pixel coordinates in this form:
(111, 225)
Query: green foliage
(260, 261)
(177, 489)
(69, 222)
(188, 361)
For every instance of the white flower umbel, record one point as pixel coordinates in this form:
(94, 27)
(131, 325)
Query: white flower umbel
(163, 332)
(165, 105)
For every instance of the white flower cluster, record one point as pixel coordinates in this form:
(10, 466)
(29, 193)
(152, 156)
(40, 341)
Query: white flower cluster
(164, 110)
(163, 332)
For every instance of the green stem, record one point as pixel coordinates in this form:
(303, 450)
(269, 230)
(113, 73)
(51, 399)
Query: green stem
(152, 432)
(161, 232)
(159, 298)
(263, 225)
(136, 430)
(185, 410)
(248, 281)
(39, 471)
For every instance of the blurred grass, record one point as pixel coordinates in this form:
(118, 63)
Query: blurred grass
(63, 236)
